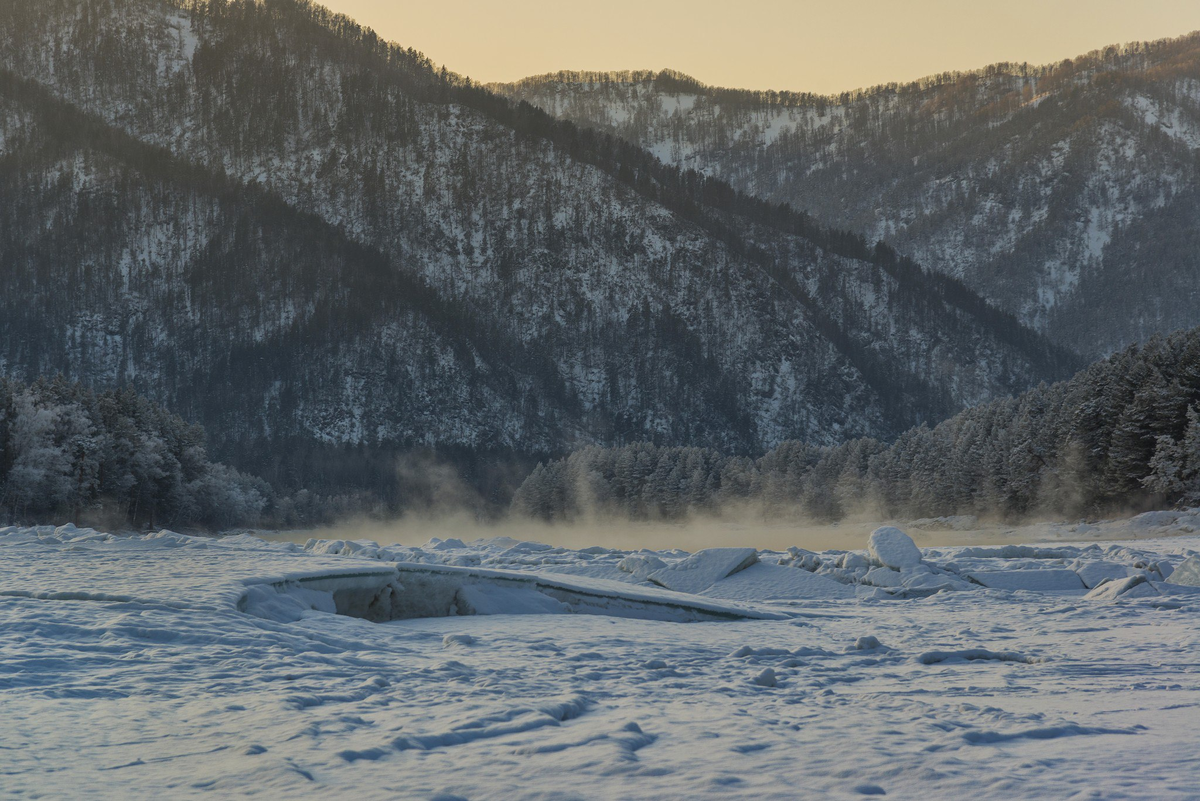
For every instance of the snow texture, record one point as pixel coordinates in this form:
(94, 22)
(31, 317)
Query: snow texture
(174, 666)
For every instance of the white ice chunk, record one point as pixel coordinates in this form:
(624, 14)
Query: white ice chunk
(1132, 587)
(891, 547)
(1047, 580)
(799, 557)
(883, 577)
(1096, 573)
(762, 582)
(437, 544)
(640, 565)
(853, 561)
(704, 568)
(1187, 573)
(921, 580)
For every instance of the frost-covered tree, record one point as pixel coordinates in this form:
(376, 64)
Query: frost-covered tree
(1175, 466)
(69, 454)
(1124, 432)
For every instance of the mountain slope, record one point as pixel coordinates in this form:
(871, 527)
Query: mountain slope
(291, 229)
(1050, 190)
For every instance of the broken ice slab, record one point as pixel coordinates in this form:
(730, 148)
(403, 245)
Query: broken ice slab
(704, 568)
(1037, 580)
(421, 590)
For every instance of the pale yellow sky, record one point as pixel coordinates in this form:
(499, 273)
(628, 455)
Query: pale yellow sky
(801, 45)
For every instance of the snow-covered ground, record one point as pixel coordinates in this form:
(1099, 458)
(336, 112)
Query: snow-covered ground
(139, 665)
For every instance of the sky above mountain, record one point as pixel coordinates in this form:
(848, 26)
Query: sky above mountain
(800, 45)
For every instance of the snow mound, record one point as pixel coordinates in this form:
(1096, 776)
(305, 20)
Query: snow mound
(266, 601)
(438, 544)
(891, 547)
(766, 678)
(976, 655)
(703, 569)
(868, 643)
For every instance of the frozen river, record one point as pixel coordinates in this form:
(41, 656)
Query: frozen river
(178, 666)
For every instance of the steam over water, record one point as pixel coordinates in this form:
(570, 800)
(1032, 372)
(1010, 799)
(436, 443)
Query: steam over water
(690, 536)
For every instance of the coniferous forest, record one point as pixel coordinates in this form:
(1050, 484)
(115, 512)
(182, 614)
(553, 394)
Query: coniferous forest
(113, 457)
(1122, 434)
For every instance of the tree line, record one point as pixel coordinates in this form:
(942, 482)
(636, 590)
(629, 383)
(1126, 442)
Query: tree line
(67, 453)
(115, 459)
(1122, 434)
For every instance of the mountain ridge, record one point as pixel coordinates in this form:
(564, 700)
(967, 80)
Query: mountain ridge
(1033, 184)
(653, 303)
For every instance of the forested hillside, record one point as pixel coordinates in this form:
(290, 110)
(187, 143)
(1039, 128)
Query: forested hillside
(1066, 193)
(1122, 434)
(313, 242)
(115, 458)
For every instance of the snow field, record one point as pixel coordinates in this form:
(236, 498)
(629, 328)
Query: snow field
(127, 670)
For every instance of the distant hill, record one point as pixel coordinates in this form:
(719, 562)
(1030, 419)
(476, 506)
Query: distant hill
(1067, 194)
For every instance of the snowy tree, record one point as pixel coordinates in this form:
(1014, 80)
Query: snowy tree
(1175, 466)
(69, 454)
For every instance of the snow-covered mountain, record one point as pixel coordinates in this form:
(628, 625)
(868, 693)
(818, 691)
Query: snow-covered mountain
(1067, 194)
(284, 228)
